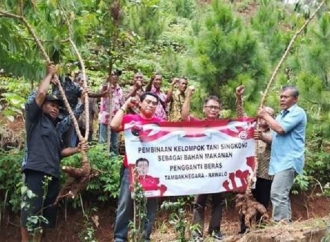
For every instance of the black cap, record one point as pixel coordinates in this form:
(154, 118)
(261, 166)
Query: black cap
(53, 98)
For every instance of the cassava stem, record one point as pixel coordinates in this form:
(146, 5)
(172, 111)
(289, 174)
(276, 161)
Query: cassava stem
(294, 37)
(47, 59)
(79, 176)
(271, 80)
(83, 72)
(85, 87)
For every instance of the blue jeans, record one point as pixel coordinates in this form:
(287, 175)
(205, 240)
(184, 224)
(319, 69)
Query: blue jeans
(103, 138)
(125, 212)
(279, 194)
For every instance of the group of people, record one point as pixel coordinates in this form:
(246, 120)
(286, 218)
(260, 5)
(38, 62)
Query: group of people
(281, 145)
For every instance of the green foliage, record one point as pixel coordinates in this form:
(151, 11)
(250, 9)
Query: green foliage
(317, 157)
(267, 21)
(106, 185)
(317, 163)
(14, 105)
(302, 182)
(185, 8)
(226, 55)
(140, 210)
(34, 222)
(10, 180)
(88, 234)
(146, 20)
(13, 95)
(177, 217)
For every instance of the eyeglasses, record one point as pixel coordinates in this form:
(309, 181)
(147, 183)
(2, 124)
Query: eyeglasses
(213, 107)
(154, 103)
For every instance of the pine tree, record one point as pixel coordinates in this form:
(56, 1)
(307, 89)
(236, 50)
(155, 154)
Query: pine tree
(227, 54)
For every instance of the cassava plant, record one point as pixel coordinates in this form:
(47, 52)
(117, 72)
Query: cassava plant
(245, 203)
(88, 234)
(105, 187)
(79, 177)
(140, 210)
(177, 217)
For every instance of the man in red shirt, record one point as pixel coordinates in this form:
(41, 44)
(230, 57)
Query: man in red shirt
(211, 110)
(147, 104)
(149, 183)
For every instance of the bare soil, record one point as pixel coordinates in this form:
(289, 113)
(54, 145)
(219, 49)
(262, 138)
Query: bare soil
(309, 211)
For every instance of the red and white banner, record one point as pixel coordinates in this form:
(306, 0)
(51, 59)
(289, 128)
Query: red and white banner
(186, 158)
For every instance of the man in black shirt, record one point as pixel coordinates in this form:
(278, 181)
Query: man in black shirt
(44, 150)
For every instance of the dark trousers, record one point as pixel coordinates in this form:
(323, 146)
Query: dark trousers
(262, 195)
(216, 214)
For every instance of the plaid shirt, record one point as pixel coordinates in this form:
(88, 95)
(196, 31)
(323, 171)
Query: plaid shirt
(118, 100)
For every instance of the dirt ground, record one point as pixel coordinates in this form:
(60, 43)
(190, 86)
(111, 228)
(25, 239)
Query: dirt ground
(72, 224)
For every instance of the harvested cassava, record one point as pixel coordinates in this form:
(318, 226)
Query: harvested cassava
(78, 181)
(249, 207)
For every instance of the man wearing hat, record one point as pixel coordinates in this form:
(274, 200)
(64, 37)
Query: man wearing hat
(44, 150)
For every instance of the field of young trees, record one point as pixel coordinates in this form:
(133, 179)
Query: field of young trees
(216, 44)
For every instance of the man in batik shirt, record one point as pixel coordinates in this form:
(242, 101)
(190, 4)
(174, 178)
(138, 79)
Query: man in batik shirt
(264, 181)
(177, 98)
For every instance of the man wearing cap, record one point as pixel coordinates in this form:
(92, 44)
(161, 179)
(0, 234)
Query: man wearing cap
(44, 150)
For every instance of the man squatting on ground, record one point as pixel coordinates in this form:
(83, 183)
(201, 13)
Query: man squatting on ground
(44, 150)
(148, 103)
